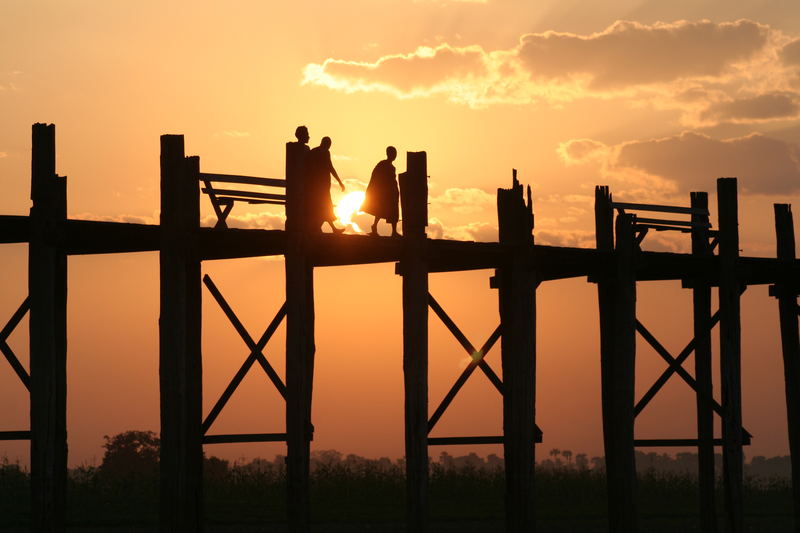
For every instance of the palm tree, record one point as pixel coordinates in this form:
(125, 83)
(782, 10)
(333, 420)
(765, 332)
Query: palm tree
(568, 455)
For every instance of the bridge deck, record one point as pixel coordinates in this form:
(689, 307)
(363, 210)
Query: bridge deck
(83, 237)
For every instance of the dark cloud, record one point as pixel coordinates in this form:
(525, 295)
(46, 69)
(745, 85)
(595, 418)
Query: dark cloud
(790, 54)
(630, 53)
(767, 106)
(693, 162)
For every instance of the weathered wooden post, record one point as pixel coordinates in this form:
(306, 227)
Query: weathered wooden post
(47, 289)
(300, 345)
(701, 301)
(616, 290)
(414, 269)
(785, 290)
(730, 352)
(516, 284)
(180, 370)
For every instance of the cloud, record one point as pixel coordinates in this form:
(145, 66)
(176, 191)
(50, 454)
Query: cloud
(629, 53)
(758, 108)
(580, 151)
(739, 71)
(692, 161)
(127, 219)
(463, 74)
(3, 154)
(464, 201)
(790, 53)
(249, 221)
(571, 238)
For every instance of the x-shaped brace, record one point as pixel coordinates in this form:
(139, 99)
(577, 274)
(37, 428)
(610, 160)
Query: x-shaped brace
(477, 360)
(676, 366)
(13, 322)
(256, 349)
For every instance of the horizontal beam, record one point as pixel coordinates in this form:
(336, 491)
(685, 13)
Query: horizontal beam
(245, 180)
(14, 228)
(680, 443)
(550, 262)
(15, 435)
(218, 243)
(660, 208)
(86, 237)
(243, 195)
(244, 437)
(682, 223)
(662, 227)
(448, 441)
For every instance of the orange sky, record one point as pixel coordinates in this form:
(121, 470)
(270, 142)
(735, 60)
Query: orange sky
(655, 100)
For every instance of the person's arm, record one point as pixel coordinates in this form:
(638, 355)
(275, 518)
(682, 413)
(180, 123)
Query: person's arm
(335, 175)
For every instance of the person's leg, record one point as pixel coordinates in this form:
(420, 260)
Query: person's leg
(374, 226)
(394, 230)
(334, 228)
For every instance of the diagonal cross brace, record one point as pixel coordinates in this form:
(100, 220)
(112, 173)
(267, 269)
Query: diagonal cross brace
(13, 322)
(477, 360)
(675, 366)
(255, 353)
(462, 340)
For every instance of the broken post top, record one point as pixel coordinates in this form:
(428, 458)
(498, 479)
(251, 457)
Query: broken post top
(514, 216)
(48, 190)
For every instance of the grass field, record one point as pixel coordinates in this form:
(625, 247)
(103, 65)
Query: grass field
(369, 496)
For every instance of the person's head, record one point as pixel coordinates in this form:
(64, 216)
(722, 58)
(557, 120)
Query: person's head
(325, 142)
(391, 153)
(302, 134)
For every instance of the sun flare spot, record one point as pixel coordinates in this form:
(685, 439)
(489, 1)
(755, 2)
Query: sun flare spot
(348, 207)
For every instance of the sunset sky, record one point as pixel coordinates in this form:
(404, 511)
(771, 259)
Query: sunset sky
(655, 99)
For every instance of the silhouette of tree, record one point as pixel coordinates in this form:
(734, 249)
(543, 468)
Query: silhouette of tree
(130, 453)
(568, 455)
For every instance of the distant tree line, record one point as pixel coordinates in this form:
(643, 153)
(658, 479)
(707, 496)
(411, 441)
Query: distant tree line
(135, 454)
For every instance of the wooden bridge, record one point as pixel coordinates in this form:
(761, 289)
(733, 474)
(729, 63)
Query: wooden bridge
(615, 266)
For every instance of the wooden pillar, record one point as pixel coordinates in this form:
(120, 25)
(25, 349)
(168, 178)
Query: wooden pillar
(300, 347)
(180, 370)
(414, 269)
(47, 289)
(701, 300)
(616, 290)
(517, 299)
(730, 352)
(786, 292)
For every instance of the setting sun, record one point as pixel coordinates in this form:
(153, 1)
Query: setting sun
(348, 207)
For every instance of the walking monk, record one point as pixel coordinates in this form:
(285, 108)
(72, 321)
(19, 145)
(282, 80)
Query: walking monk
(382, 198)
(319, 169)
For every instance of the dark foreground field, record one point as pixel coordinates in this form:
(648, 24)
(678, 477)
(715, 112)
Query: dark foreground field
(366, 496)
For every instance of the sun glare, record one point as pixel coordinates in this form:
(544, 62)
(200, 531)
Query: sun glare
(348, 207)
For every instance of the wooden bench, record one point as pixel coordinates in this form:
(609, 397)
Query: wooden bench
(223, 199)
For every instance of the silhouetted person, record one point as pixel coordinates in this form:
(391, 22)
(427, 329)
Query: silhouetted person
(302, 137)
(318, 186)
(296, 179)
(382, 197)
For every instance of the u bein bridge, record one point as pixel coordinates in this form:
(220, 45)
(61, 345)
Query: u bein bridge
(615, 266)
